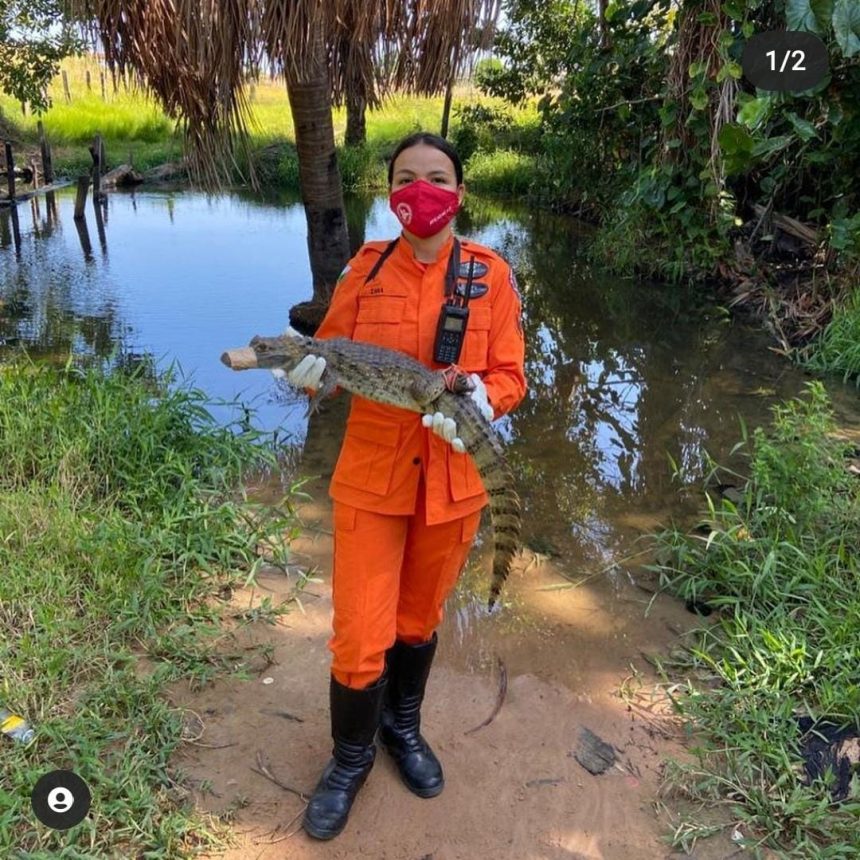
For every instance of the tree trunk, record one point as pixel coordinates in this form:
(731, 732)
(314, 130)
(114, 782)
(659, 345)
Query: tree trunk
(319, 177)
(446, 108)
(356, 107)
(449, 92)
(601, 20)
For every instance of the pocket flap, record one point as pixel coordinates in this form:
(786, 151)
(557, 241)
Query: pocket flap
(371, 431)
(380, 310)
(480, 318)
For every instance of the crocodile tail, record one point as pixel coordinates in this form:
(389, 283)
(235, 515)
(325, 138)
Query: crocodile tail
(507, 525)
(485, 448)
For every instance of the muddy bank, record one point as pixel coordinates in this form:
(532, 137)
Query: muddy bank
(513, 788)
(573, 659)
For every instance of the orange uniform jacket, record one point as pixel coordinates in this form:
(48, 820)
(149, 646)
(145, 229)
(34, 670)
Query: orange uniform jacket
(385, 448)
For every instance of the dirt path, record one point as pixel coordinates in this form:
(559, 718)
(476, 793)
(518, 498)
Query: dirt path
(513, 789)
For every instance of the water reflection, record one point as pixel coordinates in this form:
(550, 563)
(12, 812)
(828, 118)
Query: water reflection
(623, 374)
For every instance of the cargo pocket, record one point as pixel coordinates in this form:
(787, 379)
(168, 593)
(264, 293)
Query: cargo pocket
(366, 459)
(464, 479)
(378, 320)
(344, 517)
(476, 345)
(470, 528)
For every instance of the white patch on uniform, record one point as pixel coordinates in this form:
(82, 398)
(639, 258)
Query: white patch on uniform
(516, 289)
(344, 273)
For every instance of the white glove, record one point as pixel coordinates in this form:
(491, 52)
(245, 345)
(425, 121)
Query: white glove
(445, 428)
(307, 373)
(479, 395)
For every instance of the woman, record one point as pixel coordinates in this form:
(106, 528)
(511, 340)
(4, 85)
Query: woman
(406, 498)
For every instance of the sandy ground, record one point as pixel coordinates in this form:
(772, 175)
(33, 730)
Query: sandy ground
(513, 788)
(573, 659)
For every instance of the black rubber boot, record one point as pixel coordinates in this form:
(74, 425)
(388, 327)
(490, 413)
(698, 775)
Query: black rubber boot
(399, 732)
(354, 721)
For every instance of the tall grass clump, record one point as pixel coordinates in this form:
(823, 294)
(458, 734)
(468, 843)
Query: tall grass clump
(121, 518)
(783, 569)
(500, 172)
(362, 167)
(837, 350)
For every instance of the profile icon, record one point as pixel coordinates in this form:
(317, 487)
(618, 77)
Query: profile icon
(60, 799)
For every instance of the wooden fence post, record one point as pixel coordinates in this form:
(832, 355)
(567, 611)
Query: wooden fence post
(51, 206)
(97, 152)
(81, 199)
(89, 80)
(66, 85)
(102, 76)
(47, 165)
(10, 171)
(83, 232)
(100, 224)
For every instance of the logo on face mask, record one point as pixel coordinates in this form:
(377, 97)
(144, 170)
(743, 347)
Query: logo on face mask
(424, 209)
(404, 213)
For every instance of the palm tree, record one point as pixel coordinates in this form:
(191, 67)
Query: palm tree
(368, 61)
(195, 55)
(355, 67)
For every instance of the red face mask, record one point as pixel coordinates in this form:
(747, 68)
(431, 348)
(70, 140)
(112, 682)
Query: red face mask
(423, 208)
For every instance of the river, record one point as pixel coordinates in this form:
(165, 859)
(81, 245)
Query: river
(625, 378)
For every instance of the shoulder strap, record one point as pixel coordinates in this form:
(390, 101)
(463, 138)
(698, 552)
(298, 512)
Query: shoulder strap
(382, 258)
(453, 269)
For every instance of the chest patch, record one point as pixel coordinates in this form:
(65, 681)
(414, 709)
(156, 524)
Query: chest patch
(481, 269)
(479, 288)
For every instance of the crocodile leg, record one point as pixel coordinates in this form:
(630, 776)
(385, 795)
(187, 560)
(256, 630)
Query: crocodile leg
(328, 386)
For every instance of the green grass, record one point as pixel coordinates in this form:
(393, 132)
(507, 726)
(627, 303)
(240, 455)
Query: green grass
(120, 522)
(837, 350)
(365, 167)
(500, 172)
(135, 128)
(783, 569)
(132, 125)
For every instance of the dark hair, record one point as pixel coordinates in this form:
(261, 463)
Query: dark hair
(427, 139)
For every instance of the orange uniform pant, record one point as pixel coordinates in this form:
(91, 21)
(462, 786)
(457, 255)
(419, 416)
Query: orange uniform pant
(391, 577)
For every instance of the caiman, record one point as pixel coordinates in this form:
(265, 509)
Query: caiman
(391, 377)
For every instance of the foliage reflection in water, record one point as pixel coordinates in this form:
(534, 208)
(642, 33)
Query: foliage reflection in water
(623, 374)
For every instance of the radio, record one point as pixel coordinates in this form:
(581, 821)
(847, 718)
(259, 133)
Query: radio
(454, 316)
(450, 331)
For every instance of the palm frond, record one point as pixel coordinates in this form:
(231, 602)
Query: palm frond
(195, 55)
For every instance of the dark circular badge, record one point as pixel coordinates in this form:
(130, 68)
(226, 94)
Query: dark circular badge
(60, 799)
(789, 60)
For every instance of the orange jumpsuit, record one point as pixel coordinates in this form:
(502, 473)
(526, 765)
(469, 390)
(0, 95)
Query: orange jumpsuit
(406, 505)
